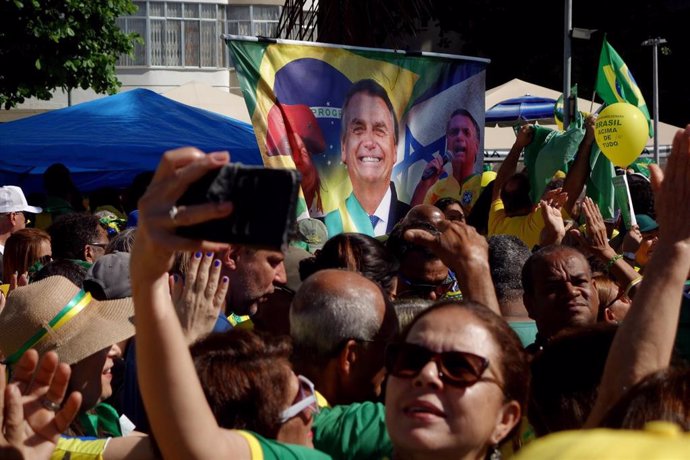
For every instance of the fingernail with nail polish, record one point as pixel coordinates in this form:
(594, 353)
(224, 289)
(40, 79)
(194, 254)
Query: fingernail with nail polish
(216, 263)
(197, 255)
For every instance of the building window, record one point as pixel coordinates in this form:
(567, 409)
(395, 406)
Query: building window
(253, 20)
(177, 34)
(187, 34)
(135, 23)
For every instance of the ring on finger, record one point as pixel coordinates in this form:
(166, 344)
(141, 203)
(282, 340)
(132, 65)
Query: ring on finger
(173, 213)
(50, 405)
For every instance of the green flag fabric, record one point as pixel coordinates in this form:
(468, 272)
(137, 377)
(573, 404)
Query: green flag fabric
(551, 151)
(615, 83)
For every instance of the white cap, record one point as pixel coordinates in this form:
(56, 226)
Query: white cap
(12, 200)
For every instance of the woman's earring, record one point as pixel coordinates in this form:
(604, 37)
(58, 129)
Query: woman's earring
(495, 453)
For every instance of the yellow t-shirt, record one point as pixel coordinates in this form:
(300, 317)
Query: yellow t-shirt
(443, 188)
(527, 227)
(79, 449)
(659, 440)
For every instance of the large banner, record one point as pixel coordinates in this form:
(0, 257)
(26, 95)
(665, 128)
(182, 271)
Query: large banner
(372, 131)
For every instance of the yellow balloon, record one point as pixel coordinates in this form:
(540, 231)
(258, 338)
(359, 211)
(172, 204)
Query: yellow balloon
(621, 132)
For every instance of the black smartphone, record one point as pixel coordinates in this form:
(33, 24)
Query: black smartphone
(264, 202)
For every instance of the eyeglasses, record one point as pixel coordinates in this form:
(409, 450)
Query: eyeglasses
(98, 245)
(306, 398)
(425, 289)
(456, 368)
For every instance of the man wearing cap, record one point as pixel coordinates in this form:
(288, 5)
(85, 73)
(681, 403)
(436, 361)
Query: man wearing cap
(369, 135)
(13, 205)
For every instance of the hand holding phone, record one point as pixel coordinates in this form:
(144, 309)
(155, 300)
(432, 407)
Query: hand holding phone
(264, 202)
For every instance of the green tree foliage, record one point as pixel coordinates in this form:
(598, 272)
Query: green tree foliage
(50, 44)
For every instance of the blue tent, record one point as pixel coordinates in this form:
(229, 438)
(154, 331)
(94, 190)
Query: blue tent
(528, 108)
(106, 142)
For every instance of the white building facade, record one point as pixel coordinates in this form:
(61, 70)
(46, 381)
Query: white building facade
(181, 43)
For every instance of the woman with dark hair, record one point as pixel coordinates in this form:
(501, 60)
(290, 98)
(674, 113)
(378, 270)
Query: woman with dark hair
(455, 391)
(23, 249)
(355, 252)
(249, 385)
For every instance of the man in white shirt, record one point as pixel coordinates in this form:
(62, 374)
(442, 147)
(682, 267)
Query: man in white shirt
(13, 205)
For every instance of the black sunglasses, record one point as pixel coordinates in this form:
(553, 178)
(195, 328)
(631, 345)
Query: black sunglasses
(413, 288)
(456, 368)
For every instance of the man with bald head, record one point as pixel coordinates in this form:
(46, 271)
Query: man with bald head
(558, 291)
(340, 323)
(424, 213)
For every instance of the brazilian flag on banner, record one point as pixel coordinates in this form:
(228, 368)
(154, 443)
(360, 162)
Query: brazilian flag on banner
(615, 83)
(296, 93)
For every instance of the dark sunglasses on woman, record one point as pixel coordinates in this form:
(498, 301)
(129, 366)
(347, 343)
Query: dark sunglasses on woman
(456, 368)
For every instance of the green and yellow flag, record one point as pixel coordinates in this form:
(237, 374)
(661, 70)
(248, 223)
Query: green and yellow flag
(615, 83)
(296, 95)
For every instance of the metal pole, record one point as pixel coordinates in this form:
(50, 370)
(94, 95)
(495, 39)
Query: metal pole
(567, 26)
(654, 43)
(655, 84)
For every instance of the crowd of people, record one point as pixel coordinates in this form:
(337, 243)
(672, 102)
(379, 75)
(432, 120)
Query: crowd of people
(469, 329)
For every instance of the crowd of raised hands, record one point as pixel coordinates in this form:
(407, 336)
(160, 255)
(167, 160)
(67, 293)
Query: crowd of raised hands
(171, 314)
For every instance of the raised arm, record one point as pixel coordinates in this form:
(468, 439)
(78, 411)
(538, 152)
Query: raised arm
(579, 172)
(180, 417)
(644, 341)
(509, 165)
(466, 252)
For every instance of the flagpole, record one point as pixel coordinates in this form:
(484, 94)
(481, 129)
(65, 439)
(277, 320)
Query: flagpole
(567, 26)
(654, 43)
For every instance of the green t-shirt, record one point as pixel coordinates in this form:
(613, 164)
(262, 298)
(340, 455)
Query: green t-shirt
(526, 331)
(269, 449)
(357, 431)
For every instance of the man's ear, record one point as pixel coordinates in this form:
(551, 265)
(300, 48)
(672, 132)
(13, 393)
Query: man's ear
(508, 416)
(609, 317)
(347, 358)
(230, 257)
(88, 253)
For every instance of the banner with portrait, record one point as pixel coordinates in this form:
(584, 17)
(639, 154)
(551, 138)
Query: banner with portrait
(372, 131)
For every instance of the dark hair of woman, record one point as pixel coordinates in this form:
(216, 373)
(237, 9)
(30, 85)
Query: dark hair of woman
(354, 252)
(244, 375)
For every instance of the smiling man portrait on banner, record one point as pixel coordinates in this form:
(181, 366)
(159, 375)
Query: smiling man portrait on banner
(360, 125)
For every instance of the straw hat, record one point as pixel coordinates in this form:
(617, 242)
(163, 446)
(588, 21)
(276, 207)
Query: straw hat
(54, 314)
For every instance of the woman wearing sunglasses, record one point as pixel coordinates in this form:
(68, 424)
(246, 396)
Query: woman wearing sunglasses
(249, 385)
(445, 404)
(457, 388)
(457, 384)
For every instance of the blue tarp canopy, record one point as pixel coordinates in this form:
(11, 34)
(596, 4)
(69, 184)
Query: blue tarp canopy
(106, 142)
(528, 108)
